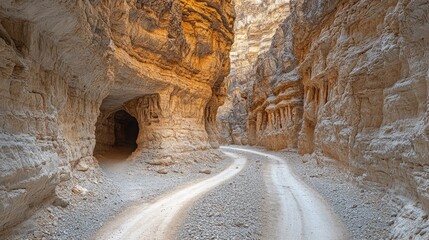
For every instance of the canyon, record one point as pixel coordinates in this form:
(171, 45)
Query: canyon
(348, 80)
(73, 71)
(153, 88)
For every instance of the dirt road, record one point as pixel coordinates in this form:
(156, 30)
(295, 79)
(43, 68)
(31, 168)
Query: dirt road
(157, 220)
(303, 213)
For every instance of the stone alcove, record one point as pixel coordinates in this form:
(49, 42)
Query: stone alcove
(116, 135)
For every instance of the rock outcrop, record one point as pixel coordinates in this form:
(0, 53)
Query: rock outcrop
(255, 25)
(350, 80)
(65, 64)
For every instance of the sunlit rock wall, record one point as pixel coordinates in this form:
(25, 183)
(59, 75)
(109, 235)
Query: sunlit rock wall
(256, 23)
(64, 62)
(275, 101)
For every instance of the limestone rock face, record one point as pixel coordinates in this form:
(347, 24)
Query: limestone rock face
(255, 25)
(275, 101)
(67, 66)
(350, 80)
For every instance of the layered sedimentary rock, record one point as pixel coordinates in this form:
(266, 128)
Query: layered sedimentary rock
(357, 73)
(275, 101)
(67, 66)
(255, 25)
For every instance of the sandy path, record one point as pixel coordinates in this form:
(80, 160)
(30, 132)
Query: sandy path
(156, 220)
(303, 213)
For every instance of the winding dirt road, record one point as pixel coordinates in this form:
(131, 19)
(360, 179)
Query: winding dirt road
(304, 213)
(157, 219)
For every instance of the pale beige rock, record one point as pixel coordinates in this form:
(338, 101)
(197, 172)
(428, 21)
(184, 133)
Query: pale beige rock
(255, 26)
(358, 74)
(205, 171)
(162, 171)
(161, 161)
(67, 66)
(79, 190)
(82, 167)
(86, 163)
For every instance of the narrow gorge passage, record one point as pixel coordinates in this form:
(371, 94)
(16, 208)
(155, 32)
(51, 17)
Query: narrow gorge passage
(113, 113)
(156, 220)
(302, 213)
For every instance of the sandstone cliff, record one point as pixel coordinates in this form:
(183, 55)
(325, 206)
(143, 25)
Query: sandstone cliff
(275, 101)
(65, 64)
(255, 25)
(350, 80)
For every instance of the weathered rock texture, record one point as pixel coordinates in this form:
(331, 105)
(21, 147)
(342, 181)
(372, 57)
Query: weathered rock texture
(350, 80)
(275, 102)
(255, 25)
(65, 64)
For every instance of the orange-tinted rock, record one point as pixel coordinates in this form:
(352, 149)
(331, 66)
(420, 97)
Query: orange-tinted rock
(65, 64)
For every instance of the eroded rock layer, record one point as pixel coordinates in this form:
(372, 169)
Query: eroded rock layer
(349, 80)
(65, 64)
(255, 25)
(275, 102)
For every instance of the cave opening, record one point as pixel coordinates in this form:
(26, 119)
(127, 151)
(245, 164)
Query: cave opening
(126, 130)
(116, 136)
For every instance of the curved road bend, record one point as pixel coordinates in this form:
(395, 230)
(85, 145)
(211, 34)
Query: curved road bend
(304, 214)
(156, 220)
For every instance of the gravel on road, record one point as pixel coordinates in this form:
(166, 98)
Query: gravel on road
(234, 210)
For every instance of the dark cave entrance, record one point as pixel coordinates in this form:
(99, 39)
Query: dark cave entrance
(126, 130)
(116, 136)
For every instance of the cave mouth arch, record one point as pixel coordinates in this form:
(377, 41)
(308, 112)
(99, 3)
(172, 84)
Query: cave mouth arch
(116, 136)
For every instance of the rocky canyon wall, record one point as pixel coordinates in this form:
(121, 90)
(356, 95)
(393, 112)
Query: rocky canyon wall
(66, 66)
(350, 80)
(255, 25)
